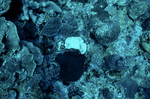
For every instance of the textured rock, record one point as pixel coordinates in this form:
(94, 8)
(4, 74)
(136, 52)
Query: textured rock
(2, 34)
(146, 24)
(27, 60)
(6, 78)
(66, 29)
(107, 32)
(70, 19)
(9, 31)
(130, 85)
(34, 80)
(142, 77)
(11, 94)
(5, 4)
(97, 58)
(99, 10)
(137, 8)
(37, 54)
(12, 37)
(51, 27)
(146, 47)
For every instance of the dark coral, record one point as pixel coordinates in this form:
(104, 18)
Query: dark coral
(72, 65)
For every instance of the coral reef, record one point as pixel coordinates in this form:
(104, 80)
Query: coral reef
(74, 49)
